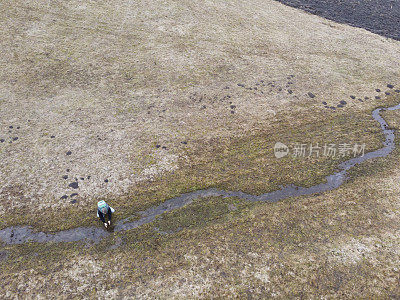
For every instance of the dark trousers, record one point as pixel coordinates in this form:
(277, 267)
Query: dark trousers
(101, 215)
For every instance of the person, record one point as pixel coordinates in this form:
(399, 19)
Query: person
(103, 210)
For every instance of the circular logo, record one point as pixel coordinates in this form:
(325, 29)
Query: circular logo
(280, 150)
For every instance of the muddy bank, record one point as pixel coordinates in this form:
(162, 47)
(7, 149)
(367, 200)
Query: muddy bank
(20, 235)
(378, 16)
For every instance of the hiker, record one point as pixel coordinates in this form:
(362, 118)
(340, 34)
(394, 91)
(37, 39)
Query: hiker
(104, 209)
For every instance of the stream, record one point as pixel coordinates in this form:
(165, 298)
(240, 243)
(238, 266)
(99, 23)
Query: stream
(24, 234)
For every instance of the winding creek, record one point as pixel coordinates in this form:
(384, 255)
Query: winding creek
(24, 234)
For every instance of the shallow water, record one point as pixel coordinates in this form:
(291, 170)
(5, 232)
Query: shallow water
(23, 234)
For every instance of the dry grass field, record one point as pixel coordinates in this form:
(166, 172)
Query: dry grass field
(138, 102)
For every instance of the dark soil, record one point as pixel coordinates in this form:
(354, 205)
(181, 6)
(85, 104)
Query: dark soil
(378, 16)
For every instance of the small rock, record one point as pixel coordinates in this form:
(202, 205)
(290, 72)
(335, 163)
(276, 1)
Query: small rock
(106, 180)
(65, 177)
(64, 197)
(240, 84)
(390, 86)
(67, 170)
(163, 147)
(1, 140)
(397, 91)
(290, 91)
(73, 201)
(184, 142)
(11, 127)
(353, 97)
(233, 106)
(158, 146)
(311, 95)
(74, 194)
(343, 102)
(15, 138)
(387, 93)
(74, 185)
(82, 178)
(53, 136)
(378, 90)
(69, 153)
(377, 97)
